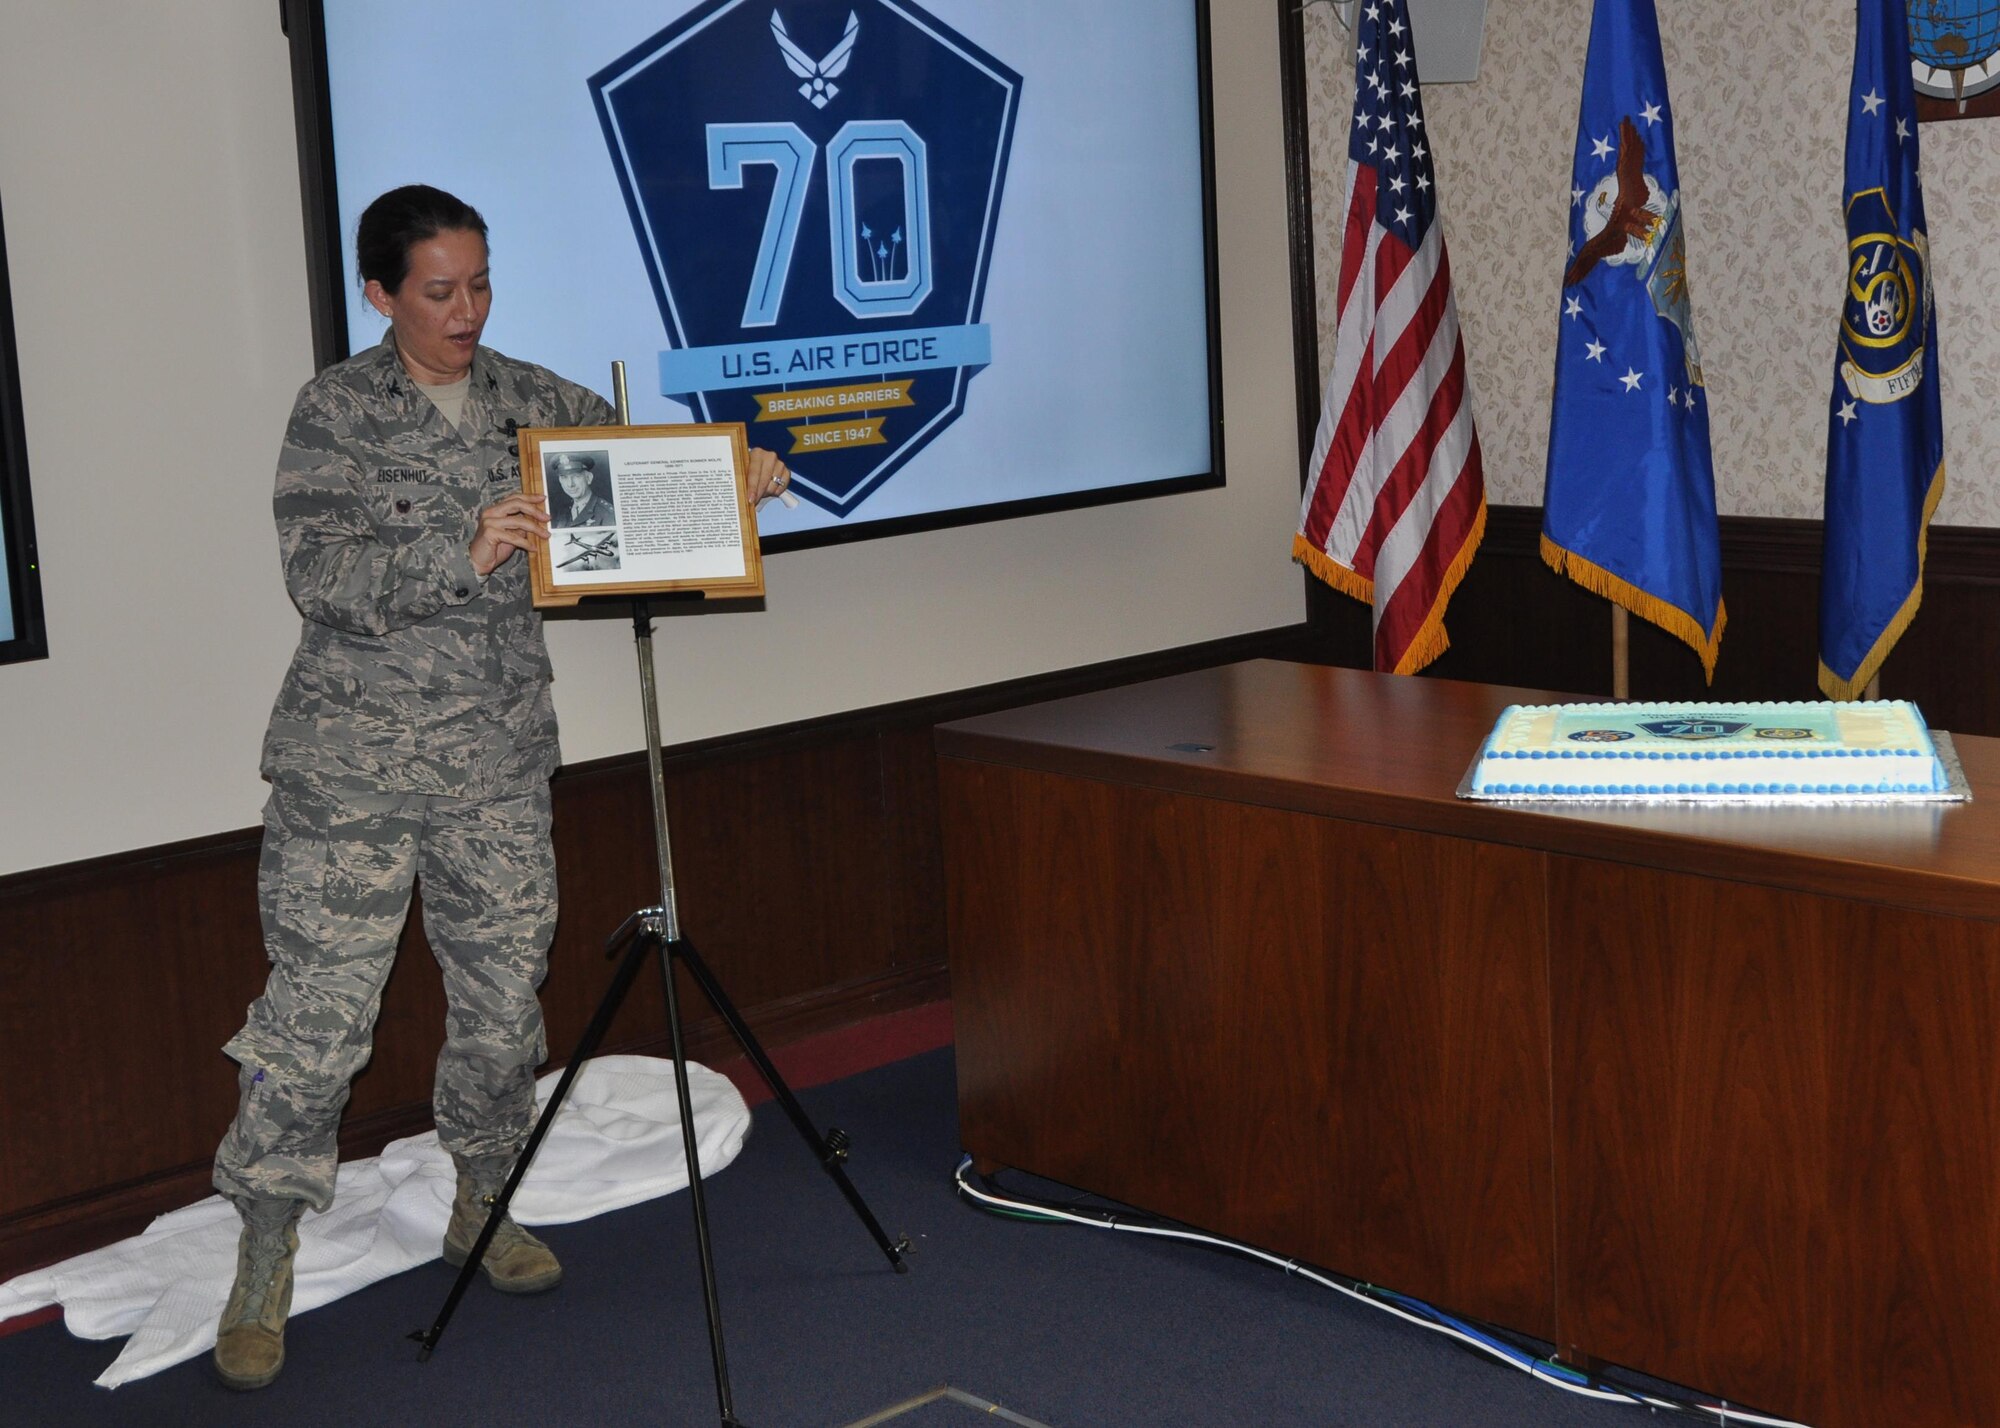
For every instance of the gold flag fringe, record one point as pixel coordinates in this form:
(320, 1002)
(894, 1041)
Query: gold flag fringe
(1831, 684)
(1430, 640)
(1651, 608)
(1346, 581)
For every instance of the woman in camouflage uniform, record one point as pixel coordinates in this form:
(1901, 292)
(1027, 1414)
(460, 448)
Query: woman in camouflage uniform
(413, 738)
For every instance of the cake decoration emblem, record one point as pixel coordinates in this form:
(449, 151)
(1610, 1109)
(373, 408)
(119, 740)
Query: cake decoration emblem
(1601, 736)
(1695, 726)
(1782, 733)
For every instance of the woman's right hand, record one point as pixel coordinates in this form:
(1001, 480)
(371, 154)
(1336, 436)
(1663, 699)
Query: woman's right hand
(508, 525)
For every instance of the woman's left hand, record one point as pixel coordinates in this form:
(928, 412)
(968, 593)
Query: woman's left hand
(768, 476)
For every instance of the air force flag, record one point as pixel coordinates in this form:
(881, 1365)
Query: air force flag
(1885, 436)
(1629, 507)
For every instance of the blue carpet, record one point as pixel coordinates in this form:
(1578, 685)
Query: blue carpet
(1075, 1327)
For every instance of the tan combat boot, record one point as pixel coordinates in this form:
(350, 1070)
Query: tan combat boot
(250, 1340)
(515, 1261)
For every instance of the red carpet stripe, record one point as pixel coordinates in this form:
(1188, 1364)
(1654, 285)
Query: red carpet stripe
(30, 1321)
(846, 1051)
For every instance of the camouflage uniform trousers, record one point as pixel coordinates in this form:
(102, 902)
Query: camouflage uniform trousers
(334, 886)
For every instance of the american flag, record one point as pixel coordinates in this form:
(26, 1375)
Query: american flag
(1395, 499)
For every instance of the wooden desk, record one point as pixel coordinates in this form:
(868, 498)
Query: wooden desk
(1710, 1092)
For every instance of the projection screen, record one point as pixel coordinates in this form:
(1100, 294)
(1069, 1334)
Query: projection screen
(953, 261)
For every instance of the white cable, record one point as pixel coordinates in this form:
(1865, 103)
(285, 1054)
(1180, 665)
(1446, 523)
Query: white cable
(1529, 1366)
(1290, 1267)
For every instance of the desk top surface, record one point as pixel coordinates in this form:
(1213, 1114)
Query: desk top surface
(1391, 750)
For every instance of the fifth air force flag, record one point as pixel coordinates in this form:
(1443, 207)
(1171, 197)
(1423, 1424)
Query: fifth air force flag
(1885, 437)
(1629, 509)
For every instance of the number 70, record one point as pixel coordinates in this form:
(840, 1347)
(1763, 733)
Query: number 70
(734, 147)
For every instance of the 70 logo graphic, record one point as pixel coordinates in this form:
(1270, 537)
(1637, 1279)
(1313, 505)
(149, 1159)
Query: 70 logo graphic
(866, 294)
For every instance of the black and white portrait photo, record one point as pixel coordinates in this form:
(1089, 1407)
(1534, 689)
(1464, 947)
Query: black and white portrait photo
(579, 484)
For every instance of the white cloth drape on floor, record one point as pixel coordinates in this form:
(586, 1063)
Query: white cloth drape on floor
(616, 1142)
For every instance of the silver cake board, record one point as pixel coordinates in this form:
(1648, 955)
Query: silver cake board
(1956, 790)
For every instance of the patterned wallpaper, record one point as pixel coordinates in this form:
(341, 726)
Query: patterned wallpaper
(1759, 98)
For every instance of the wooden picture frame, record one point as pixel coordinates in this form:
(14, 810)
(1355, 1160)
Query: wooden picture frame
(642, 510)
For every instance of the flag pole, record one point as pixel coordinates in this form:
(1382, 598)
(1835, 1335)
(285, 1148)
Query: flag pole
(1621, 652)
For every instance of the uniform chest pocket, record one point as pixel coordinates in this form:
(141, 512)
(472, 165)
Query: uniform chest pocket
(404, 510)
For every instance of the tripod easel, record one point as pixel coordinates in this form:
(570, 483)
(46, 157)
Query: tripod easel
(654, 933)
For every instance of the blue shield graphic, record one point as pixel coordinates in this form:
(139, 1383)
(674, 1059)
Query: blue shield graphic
(815, 187)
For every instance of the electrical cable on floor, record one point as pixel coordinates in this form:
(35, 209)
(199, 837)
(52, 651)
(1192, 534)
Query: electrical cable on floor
(1414, 1311)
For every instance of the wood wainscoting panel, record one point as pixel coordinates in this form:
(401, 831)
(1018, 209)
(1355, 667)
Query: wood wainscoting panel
(1753, 1189)
(110, 1039)
(117, 986)
(809, 877)
(1945, 659)
(1323, 1038)
(1516, 622)
(1690, 1066)
(1912, 1289)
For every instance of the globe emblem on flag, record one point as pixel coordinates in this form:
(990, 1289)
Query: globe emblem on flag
(1666, 282)
(1953, 47)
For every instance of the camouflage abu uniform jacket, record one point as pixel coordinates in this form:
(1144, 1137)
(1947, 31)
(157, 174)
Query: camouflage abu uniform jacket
(413, 675)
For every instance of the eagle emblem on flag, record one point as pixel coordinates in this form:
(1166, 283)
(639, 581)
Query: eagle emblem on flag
(1630, 218)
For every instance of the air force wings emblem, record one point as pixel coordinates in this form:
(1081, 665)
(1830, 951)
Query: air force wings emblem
(1888, 303)
(1629, 218)
(817, 217)
(817, 74)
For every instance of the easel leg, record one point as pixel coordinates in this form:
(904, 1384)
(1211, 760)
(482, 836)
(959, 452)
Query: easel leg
(831, 1149)
(711, 1302)
(642, 931)
(638, 932)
